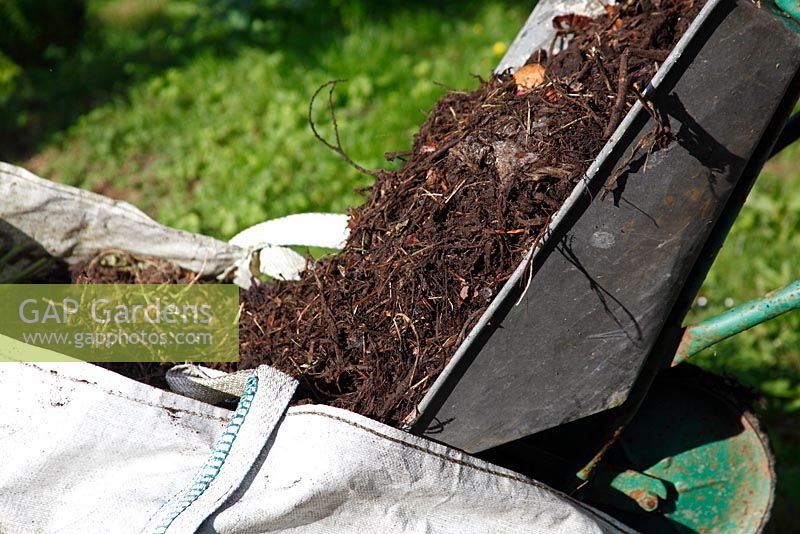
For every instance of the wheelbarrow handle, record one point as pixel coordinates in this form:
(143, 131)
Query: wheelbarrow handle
(704, 334)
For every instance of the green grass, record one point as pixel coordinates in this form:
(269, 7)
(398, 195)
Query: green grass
(196, 112)
(220, 141)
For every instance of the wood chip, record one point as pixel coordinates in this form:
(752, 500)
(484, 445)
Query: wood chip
(529, 76)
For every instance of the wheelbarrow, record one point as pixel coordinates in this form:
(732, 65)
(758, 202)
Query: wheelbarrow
(566, 377)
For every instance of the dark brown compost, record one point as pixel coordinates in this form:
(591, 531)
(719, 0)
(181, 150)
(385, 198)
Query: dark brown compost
(371, 328)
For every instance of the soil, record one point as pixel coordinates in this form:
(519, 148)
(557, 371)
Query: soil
(371, 328)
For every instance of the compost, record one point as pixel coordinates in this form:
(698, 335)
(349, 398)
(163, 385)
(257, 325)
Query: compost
(371, 328)
(116, 267)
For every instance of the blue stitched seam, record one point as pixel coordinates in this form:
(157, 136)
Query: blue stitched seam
(213, 465)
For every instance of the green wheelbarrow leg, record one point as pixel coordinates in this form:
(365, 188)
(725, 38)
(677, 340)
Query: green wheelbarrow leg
(790, 7)
(738, 319)
(625, 489)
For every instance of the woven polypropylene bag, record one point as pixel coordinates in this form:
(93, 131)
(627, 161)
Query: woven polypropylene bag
(42, 219)
(86, 450)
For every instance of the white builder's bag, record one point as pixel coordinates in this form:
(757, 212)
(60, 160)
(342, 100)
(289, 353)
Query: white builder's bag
(86, 450)
(73, 225)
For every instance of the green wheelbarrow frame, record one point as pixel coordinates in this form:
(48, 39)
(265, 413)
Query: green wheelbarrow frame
(631, 490)
(736, 320)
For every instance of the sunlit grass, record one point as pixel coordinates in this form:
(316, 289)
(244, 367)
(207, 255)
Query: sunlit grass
(222, 142)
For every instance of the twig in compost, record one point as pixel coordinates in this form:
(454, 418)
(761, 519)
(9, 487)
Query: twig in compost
(622, 91)
(586, 66)
(529, 266)
(662, 126)
(338, 146)
(598, 59)
(650, 139)
(570, 123)
(398, 154)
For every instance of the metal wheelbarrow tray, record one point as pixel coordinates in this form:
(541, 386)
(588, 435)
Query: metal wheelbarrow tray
(573, 332)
